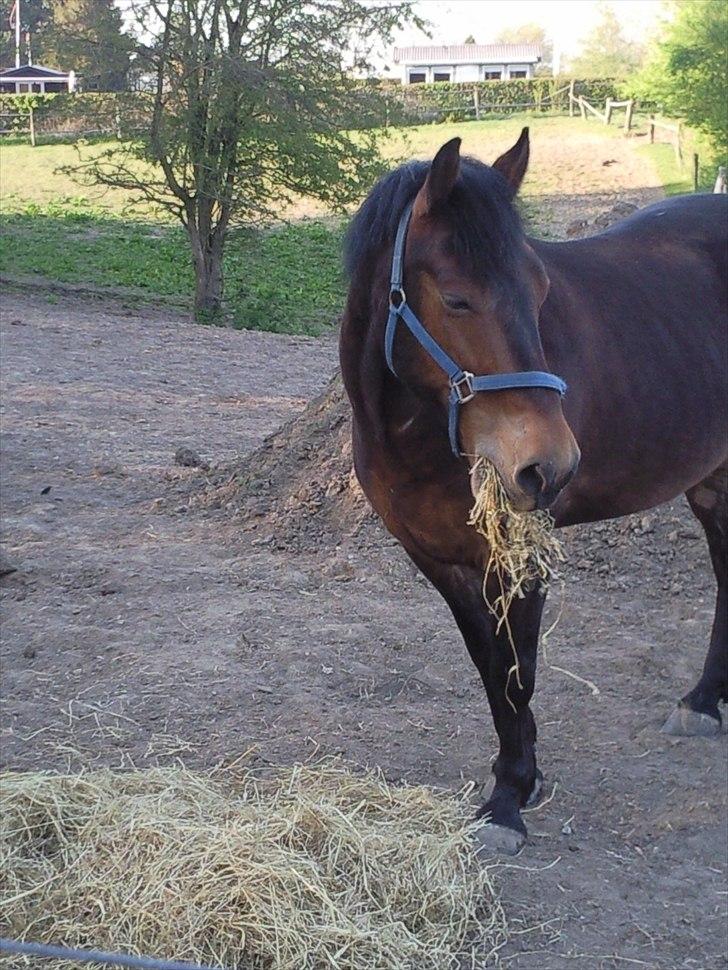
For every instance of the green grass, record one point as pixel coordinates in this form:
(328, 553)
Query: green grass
(287, 279)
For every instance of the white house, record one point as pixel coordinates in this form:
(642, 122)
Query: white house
(467, 62)
(34, 79)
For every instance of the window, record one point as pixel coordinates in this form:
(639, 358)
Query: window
(514, 74)
(417, 77)
(441, 76)
(492, 75)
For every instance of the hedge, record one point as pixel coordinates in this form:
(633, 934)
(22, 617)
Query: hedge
(80, 114)
(124, 112)
(446, 101)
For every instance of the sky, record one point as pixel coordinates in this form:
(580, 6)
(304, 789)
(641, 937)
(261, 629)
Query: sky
(566, 21)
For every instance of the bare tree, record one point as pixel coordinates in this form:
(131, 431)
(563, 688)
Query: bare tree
(255, 102)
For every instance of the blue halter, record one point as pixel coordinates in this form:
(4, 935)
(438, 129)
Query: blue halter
(463, 384)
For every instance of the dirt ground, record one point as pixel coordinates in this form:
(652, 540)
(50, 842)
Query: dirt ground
(141, 626)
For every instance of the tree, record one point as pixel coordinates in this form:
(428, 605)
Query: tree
(34, 15)
(87, 36)
(606, 52)
(530, 33)
(255, 104)
(686, 70)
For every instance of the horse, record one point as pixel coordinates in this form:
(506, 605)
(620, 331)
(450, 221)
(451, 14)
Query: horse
(444, 284)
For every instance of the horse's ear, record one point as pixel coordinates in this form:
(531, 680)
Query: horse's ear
(513, 164)
(440, 179)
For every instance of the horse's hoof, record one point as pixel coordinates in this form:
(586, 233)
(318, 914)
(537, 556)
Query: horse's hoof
(537, 791)
(493, 839)
(684, 723)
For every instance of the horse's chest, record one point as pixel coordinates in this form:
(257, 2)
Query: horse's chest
(422, 501)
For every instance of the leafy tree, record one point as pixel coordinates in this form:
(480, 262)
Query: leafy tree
(531, 33)
(606, 52)
(255, 103)
(34, 15)
(686, 71)
(87, 36)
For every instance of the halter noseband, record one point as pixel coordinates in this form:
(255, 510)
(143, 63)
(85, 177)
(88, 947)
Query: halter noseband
(463, 384)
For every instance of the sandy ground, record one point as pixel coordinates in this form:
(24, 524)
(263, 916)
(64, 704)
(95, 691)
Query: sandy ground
(136, 630)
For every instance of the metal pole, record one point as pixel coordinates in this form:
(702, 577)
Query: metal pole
(17, 33)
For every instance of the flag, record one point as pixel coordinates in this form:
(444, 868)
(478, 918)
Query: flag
(14, 14)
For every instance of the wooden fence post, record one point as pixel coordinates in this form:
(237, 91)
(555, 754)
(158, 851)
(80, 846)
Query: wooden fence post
(31, 126)
(628, 116)
(652, 129)
(608, 111)
(476, 103)
(678, 144)
(571, 98)
(696, 171)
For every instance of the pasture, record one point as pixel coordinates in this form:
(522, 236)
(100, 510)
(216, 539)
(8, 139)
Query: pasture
(156, 616)
(56, 230)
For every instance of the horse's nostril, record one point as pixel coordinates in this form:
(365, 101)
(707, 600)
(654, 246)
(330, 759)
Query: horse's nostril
(531, 480)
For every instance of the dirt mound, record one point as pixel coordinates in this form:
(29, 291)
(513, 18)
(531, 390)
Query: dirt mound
(298, 490)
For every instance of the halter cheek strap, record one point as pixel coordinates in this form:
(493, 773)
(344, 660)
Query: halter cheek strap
(463, 385)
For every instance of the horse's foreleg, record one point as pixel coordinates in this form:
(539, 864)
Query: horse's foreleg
(697, 713)
(506, 662)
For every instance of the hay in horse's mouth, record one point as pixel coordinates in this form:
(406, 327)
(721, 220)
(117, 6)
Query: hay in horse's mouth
(523, 548)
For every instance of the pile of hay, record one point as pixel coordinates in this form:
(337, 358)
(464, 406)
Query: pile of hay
(523, 549)
(305, 868)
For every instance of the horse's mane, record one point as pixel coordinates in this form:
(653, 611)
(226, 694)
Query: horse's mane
(486, 228)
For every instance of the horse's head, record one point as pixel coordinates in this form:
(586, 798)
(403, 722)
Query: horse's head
(477, 287)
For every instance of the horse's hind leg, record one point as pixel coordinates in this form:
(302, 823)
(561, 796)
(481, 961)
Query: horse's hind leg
(697, 713)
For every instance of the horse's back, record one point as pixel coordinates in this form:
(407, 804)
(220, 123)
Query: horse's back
(691, 219)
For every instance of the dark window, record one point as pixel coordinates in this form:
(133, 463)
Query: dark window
(417, 77)
(492, 75)
(515, 74)
(441, 76)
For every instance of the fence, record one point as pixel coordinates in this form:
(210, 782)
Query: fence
(18, 122)
(610, 104)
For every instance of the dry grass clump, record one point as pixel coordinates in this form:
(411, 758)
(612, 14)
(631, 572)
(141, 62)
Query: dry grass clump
(523, 548)
(305, 868)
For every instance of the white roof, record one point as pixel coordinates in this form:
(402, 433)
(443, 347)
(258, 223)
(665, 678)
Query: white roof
(469, 54)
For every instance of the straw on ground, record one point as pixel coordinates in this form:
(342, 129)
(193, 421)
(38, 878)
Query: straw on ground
(305, 869)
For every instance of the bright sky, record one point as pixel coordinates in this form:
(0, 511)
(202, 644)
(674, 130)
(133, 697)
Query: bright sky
(566, 21)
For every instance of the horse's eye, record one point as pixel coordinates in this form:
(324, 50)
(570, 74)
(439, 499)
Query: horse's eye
(456, 303)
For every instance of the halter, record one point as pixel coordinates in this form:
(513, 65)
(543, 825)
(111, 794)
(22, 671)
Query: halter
(463, 385)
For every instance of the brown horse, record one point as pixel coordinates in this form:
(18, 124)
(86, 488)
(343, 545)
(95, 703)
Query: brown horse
(633, 319)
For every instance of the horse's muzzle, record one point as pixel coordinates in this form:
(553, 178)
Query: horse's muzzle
(538, 482)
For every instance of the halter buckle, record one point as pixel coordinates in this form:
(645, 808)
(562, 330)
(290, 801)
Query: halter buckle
(397, 292)
(463, 387)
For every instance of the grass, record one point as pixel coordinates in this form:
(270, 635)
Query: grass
(287, 279)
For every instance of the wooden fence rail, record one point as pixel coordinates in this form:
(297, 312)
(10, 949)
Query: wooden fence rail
(605, 116)
(18, 123)
(674, 128)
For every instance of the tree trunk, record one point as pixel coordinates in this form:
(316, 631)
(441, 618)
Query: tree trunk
(207, 259)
